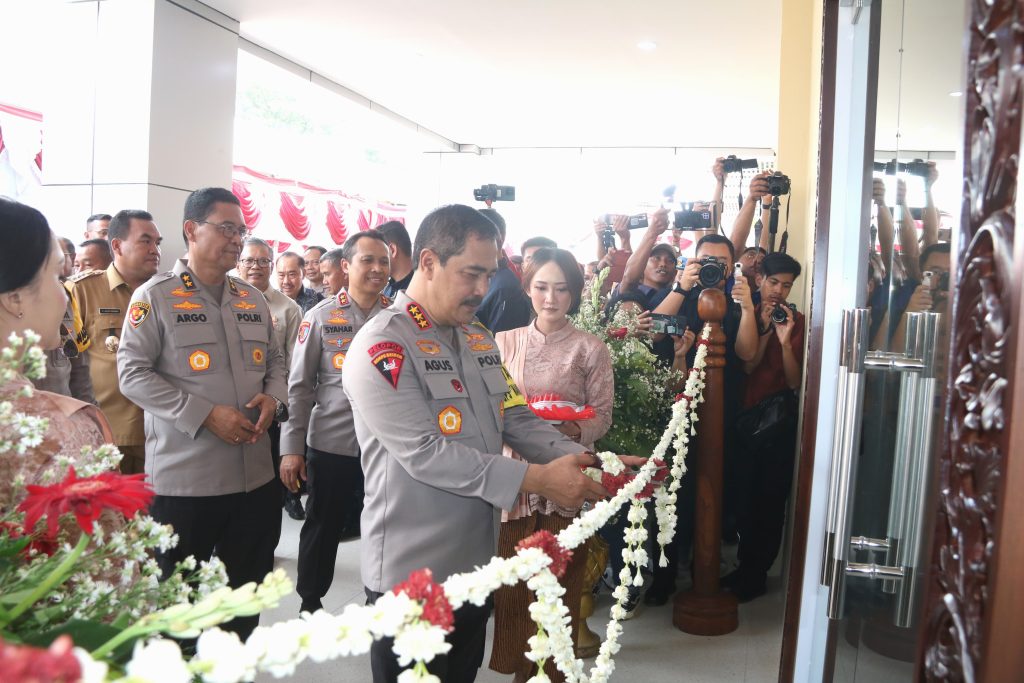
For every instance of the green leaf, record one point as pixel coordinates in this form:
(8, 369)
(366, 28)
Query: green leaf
(85, 634)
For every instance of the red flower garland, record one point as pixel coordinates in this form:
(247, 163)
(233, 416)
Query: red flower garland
(545, 540)
(436, 609)
(86, 498)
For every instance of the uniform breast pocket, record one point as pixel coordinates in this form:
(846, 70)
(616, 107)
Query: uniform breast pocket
(447, 404)
(198, 350)
(254, 347)
(497, 388)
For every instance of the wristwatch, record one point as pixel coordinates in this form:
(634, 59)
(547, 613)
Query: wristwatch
(281, 413)
(677, 288)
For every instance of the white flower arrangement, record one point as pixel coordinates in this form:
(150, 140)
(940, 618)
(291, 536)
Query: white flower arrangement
(277, 649)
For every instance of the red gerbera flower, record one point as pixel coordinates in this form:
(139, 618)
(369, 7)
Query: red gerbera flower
(618, 333)
(86, 498)
(421, 586)
(545, 540)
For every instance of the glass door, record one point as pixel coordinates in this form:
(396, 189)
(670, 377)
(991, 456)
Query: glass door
(863, 591)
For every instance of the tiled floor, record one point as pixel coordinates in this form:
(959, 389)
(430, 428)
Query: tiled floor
(652, 649)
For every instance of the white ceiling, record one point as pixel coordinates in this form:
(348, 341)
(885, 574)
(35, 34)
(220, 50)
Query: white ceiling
(544, 72)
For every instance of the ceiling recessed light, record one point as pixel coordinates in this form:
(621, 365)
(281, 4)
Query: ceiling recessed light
(956, 93)
(647, 45)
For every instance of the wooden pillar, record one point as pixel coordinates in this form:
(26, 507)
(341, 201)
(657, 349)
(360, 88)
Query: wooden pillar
(705, 610)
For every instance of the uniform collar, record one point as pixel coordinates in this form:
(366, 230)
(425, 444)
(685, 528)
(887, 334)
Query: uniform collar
(114, 278)
(190, 283)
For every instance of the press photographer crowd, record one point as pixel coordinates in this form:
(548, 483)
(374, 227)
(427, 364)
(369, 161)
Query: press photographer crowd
(411, 387)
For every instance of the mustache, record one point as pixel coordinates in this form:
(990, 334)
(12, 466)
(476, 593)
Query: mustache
(473, 301)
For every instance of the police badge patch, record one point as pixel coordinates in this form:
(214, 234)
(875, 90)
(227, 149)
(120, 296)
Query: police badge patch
(137, 312)
(303, 332)
(388, 357)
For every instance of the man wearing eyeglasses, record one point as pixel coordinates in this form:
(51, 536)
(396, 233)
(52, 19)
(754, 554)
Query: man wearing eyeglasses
(254, 267)
(198, 354)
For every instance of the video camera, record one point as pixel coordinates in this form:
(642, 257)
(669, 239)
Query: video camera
(732, 164)
(918, 167)
(495, 193)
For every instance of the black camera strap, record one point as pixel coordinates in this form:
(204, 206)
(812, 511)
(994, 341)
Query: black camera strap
(785, 233)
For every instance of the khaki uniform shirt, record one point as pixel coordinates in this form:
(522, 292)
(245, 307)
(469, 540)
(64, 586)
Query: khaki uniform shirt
(316, 378)
(182, 352)
(286, 316)
(103, 297)
(432, 406)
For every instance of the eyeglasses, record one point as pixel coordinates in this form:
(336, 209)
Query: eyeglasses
(250, 262)
(229, 230)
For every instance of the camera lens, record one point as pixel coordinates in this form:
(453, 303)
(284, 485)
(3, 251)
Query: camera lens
(711, 273)
(778, 315)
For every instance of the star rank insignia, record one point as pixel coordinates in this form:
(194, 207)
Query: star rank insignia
(188, 282)
(418, 316)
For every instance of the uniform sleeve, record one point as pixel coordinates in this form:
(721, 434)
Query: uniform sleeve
(275, 381)
(292, 319)
(400, 420)
(137, 358)
(534, 439)
(81, 382)
(599, 392)
(302, 380)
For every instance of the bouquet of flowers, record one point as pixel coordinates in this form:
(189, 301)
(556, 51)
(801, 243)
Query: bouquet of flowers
(76, 565)
(643, 401)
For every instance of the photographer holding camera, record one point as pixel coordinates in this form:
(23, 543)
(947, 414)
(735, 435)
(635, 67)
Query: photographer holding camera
(766, 428)
(710, 269)
(651, 266)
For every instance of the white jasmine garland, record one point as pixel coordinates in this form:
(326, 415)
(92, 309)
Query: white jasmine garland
(278, 649)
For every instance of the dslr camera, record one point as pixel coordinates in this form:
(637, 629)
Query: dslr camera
(779, 315)
(693, 220)
(778, 184)
(668, 324)
(711, 270)
(495, 193)
(731, 164)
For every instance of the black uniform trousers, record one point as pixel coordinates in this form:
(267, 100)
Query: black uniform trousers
(335, 485)
(241, 528)
(462, 662)
(765, 478)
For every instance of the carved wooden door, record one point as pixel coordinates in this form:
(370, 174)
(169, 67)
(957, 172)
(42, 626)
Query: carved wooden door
(974, 610)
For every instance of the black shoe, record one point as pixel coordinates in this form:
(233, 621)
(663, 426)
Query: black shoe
(293, 506)
(310, 606)
(658, 594)
(745, 592)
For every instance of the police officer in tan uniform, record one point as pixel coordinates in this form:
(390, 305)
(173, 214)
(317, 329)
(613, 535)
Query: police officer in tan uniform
(198, 354)
(432, 404)
(327, 451)
(103, 297)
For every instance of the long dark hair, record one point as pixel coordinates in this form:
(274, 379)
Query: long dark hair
(25, 244)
